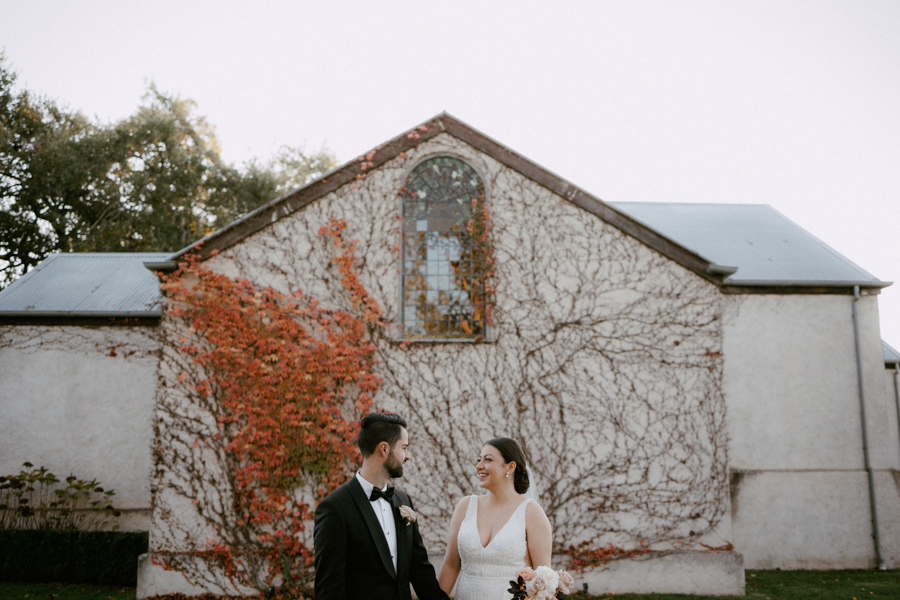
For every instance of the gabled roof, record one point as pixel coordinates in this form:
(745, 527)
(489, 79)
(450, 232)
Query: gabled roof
(86, 285)
(764, 251)
(444, 123)
(767, 248)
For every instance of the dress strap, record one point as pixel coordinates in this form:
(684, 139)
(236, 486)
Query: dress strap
(523, 504)
(473, 503)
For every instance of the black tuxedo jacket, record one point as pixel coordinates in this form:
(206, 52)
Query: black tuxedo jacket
(352, 556)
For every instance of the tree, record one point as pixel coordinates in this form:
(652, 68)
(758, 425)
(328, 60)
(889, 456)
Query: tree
(257, 183)
(154, 181)
(51, 176)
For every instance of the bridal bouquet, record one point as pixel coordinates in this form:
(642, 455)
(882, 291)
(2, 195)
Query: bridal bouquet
(541, 583)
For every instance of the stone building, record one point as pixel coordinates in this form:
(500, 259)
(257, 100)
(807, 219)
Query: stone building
(679, 373)
(79, 356)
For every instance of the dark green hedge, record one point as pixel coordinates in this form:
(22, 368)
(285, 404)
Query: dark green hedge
(98, 557)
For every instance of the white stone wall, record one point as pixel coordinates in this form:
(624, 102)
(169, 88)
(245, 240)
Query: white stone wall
(79, 400)
(604, 360)
(799, 489)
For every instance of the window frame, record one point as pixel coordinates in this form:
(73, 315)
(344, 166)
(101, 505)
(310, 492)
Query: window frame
(488, 336)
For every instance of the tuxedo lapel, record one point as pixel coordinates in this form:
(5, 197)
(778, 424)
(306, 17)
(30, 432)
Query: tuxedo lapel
(404, 536)
(365, 507)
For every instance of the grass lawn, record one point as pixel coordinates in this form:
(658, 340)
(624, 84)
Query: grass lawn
(761, 585)
(43, 591)
(801, 585)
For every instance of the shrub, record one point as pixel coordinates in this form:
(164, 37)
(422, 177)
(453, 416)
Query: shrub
(89, 557)
(35, 499)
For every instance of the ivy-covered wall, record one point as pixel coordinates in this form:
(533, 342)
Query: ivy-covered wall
(604, 360)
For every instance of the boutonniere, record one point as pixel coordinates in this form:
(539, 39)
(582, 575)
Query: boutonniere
(407, 513)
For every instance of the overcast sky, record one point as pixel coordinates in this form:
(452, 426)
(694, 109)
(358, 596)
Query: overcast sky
(792, 104)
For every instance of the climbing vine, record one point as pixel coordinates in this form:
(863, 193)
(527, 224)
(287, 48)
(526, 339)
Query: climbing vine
(479, 229)
(274, 384)
(604, 361)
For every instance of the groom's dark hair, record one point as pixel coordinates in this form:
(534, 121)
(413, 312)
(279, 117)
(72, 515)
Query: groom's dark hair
(375, 428)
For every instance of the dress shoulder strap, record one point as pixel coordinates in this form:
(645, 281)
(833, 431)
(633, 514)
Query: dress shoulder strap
(470, 515)
(524, 504)
(520, 513)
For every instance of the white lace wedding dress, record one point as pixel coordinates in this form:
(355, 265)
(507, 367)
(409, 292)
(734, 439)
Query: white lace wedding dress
(486, 571)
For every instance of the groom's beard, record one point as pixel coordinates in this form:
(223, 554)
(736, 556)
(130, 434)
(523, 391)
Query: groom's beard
(393, 466)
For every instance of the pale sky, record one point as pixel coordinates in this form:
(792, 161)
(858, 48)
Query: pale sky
(792, 104)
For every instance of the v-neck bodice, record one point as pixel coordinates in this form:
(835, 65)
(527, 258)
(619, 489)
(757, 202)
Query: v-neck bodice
(486, 570)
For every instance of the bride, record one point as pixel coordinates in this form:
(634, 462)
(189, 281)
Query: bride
(494, 535)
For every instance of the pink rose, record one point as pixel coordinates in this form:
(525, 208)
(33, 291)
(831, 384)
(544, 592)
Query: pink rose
(407, 513)
(527, 574)
(536, 588)
(566, 583)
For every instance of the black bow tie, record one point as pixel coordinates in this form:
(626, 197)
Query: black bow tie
(376, 494)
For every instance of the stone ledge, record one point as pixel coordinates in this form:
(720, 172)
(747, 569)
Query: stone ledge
(701, 573)
(153, 580)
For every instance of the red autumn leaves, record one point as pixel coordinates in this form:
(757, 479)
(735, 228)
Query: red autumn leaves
(292, 378)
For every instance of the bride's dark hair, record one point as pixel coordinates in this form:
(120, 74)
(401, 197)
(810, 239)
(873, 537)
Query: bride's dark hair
(512, 452)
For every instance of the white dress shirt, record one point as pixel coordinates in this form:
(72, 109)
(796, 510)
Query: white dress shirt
(384, 512)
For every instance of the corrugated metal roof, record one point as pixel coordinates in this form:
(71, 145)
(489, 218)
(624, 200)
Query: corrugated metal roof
(891, 356)
(765, 246)
(86, 284)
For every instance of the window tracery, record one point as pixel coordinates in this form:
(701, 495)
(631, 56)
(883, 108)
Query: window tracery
(442, 273)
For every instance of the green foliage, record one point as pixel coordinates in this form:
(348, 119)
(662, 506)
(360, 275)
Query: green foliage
(258, 183)
(153, 181)
(64, 591)
(51, 176)
(796, 585)
(29, 501)
(823, 585)
(97, 557)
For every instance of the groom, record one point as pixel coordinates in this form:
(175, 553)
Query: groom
(366, 547)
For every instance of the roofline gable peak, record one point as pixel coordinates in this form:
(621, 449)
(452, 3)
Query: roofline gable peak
(444, 122)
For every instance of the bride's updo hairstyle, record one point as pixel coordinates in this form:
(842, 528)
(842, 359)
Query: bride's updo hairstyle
(512, 452)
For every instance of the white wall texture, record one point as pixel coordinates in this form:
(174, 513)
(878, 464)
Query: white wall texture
(79, 400)
(605, 362)
(556, 263)
(799, 488)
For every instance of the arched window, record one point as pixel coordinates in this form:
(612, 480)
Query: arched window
(442, 283)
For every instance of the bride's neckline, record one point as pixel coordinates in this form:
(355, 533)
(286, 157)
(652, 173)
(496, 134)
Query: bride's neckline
(499, 531)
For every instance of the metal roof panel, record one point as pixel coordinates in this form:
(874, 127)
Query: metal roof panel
(762, 243)
(86, 284)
